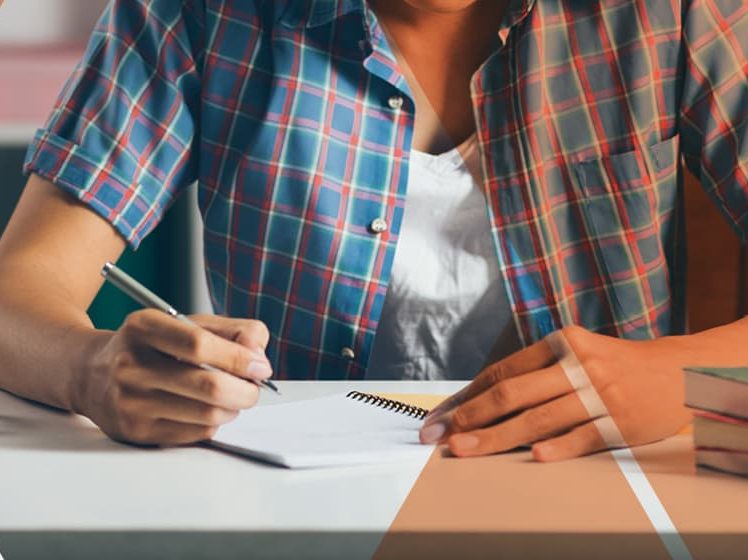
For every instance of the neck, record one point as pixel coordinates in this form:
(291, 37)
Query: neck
(439, 52)
(451, 14)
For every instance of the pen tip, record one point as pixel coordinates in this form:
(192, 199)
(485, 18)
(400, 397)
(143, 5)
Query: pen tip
(272, 386)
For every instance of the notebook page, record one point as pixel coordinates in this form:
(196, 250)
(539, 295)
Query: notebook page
(327, 431)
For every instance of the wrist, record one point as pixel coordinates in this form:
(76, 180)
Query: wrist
(719, 346)
(85, 374)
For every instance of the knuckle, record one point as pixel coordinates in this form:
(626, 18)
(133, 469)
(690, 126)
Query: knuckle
(539, 421)
(497, 374)
(599, 370)
(461, 419)
(263, 333)
(120, 376)
(122, 360)
(612, 397)
(210, 386)
(240, 360)
(138, 322)
(254, 333)
(131, 408)
(503, 394)
(124, 425)
(584, 344)
(196, 344)
(134, 428)
(130, 327)
(572, 332)
(141, 432)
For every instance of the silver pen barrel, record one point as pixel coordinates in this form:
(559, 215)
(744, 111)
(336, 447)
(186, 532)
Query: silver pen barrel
(135, 289)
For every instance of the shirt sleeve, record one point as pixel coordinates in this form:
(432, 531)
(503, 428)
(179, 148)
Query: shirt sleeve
(714, 104)
(122, 133)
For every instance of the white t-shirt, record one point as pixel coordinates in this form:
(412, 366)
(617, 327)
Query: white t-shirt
(446, 309)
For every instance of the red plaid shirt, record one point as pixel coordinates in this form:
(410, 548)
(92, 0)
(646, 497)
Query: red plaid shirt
(297, 124)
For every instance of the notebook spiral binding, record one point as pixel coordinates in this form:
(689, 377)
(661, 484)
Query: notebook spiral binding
(389, 404)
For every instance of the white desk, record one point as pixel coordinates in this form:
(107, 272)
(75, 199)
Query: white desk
(66, 491)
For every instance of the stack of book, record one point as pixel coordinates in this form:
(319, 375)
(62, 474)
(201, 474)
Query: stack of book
(719, 397)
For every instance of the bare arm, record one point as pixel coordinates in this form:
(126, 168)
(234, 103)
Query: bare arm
(50, 256)
(127, 381)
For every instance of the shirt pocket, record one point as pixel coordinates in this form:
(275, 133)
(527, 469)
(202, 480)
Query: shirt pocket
(627, 202)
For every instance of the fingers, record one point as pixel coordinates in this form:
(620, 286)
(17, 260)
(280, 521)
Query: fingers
(159, 418)
(534, 357)
(511, 395)
(157, 405)
(150, 397)
(582, 440)
(167, 433)
(532, 425)
(505, 397)
(215, 388)
(198, 346)
(247, 332)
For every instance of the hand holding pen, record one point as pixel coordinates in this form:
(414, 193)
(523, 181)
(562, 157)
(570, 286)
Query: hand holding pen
(258, 364)
(166, 379)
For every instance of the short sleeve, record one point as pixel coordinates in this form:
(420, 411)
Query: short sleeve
(122, 135)
(714, 103)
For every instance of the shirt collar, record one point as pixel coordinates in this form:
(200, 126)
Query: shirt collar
(516, 12)
(314, 13)
(324, 11)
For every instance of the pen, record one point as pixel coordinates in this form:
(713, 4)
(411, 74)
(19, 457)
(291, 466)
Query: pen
(128, 285)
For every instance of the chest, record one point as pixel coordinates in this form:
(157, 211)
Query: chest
(306, 135)
(342, 103)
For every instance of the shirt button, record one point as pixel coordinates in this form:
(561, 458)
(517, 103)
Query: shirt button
(347, 353)
(395, 102)
(378, 226)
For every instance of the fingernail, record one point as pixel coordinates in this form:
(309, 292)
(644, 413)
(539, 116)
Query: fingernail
(429, 421)
(432, 433)
(463, 442)
(259, 369)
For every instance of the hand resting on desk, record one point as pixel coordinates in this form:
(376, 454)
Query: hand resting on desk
(573, 393)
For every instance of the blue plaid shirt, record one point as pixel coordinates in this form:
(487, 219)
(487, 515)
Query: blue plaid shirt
(297, 124)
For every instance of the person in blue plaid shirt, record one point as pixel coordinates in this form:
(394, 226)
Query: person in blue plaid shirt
(405, 189)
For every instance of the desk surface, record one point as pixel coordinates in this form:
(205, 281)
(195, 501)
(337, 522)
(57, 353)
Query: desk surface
(66, 491)
(61, 477)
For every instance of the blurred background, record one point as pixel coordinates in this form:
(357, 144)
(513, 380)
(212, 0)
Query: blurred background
(40, 43)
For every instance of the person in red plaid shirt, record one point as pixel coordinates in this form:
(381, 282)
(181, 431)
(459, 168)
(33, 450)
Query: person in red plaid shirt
(414, 189)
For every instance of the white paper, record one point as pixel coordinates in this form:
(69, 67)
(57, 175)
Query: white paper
(328, 431)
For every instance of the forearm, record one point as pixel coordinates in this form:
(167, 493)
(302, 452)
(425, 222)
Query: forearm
(46, 339)
(726, 345)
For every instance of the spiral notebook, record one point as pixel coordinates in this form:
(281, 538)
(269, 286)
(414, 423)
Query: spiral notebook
(345, 429)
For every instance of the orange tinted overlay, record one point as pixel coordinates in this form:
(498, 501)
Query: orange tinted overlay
(509, 506)
(708, 508)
